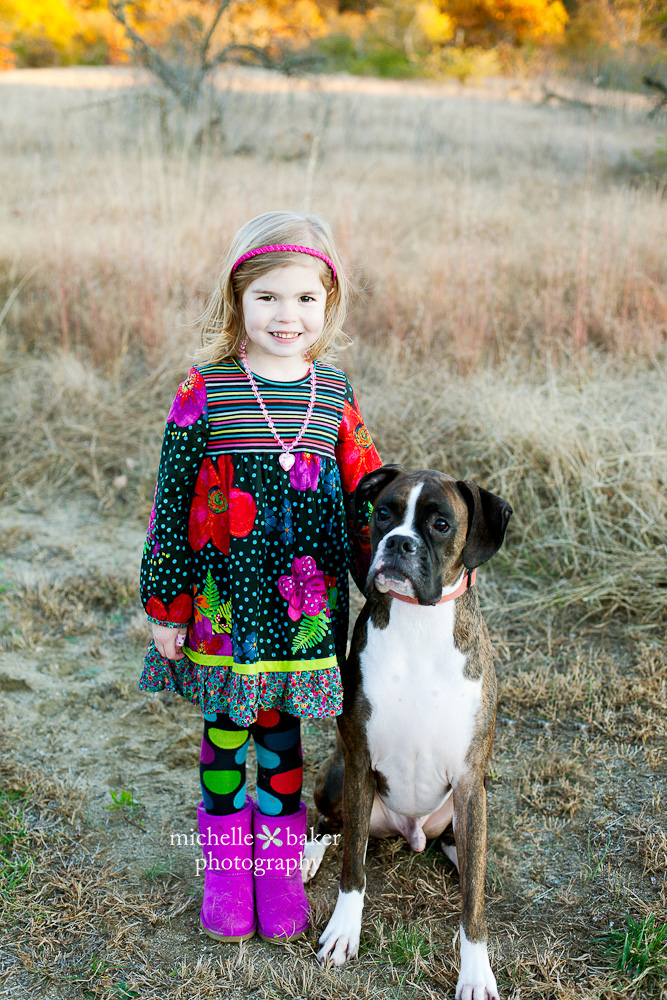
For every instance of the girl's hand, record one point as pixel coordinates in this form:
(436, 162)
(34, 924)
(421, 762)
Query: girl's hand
(165, 640)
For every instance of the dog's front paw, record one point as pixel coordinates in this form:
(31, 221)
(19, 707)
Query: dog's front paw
(476, 980)
(340, 940)
(481, 991)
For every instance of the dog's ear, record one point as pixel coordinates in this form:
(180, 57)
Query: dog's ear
(488, 517)
(372, 484)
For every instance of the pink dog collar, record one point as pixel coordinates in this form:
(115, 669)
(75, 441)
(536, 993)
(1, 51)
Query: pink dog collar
(286, 246)
(468, 581)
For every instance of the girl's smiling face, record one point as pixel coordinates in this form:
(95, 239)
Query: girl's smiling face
(283, 313)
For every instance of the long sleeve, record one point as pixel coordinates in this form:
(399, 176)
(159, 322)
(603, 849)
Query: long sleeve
(166, 590)
(356, 455)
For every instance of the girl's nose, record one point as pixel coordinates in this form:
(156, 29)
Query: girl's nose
(286, 312)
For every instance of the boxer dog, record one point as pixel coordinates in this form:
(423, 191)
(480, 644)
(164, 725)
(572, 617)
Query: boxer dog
(416, 733)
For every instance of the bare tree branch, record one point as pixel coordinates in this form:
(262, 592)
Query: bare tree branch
(300, 64)
(186, 77)
(153, 57)
(651, 81)
(550, 95)
(254, 50)
(203, 52)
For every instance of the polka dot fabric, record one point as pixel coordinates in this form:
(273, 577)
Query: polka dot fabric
(252, 558)
(222, 763)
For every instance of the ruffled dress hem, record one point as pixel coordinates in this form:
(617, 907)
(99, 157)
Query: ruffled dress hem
(314, 694)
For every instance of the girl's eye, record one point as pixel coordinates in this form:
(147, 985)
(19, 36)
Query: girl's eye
(307, 298)
(441, 525)
(381, 514)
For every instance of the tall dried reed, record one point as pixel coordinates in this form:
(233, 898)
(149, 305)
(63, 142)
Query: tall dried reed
(511, 326)
(477, 227)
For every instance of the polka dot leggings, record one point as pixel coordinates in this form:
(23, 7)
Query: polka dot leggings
(222, 764)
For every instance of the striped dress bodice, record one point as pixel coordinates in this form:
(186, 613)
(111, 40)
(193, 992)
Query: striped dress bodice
(237, 424)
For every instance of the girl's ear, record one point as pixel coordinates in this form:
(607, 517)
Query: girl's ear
(372, 484)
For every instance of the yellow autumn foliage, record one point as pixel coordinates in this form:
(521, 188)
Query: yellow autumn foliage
(54, 18)
(534, 19)
(7, 55)
(436, 26)
(260, 24)
(279, 19)
(70, 30)
(515, 20)
(38, 32)
(60, 31)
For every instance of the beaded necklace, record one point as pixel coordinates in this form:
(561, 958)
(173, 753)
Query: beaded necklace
(286, 458)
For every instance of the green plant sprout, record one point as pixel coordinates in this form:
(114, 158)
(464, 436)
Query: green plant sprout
(639, 949)
(124, 800)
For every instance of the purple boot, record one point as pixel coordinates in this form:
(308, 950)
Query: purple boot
(282, 907)
(228, 909)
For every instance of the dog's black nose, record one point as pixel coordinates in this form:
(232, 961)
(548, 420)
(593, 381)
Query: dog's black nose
(402, 544)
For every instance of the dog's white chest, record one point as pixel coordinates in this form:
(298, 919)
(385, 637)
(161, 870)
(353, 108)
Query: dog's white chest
(423, 709)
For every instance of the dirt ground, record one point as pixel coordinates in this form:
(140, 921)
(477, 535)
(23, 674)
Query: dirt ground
(575, 813)
(534, 330)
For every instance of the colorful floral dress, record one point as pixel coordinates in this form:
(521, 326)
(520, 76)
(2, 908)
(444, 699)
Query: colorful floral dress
(253, 558)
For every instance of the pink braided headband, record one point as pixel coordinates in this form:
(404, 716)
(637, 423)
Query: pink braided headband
(286, 246)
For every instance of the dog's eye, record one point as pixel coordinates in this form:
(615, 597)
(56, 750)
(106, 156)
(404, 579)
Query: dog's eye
(441, 525)
(381, 514)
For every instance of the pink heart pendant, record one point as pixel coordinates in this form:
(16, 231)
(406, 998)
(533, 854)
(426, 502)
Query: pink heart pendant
(286, 460)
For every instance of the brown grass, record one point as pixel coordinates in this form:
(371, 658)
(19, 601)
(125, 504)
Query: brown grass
(474, 231)
(512, 331)
(513, 276)
(580, 456)
(576, 831)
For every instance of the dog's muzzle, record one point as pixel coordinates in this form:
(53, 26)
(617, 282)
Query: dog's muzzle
(396, 565)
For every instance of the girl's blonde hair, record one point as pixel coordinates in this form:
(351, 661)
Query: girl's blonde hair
(222, 327)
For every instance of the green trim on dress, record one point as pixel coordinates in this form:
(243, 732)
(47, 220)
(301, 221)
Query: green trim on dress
(260, 666)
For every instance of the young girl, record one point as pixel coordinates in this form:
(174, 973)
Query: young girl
(245, 567)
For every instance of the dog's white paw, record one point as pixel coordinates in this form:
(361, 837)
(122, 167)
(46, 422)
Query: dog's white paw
(476, 980)
(340, 940)
(313, 853)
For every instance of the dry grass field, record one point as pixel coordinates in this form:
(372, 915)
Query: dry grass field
(510, 328)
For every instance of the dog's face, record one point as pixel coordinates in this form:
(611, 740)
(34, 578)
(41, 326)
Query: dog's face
(427, 528)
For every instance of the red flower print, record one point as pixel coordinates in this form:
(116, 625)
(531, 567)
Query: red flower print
(190, 400)
(355, 451)
(305, 589)
(218, 510)
(180, 609)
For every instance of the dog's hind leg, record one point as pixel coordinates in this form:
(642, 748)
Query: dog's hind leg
(329, 801)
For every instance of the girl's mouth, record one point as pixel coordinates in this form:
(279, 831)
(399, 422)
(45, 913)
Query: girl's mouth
(285, 334)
